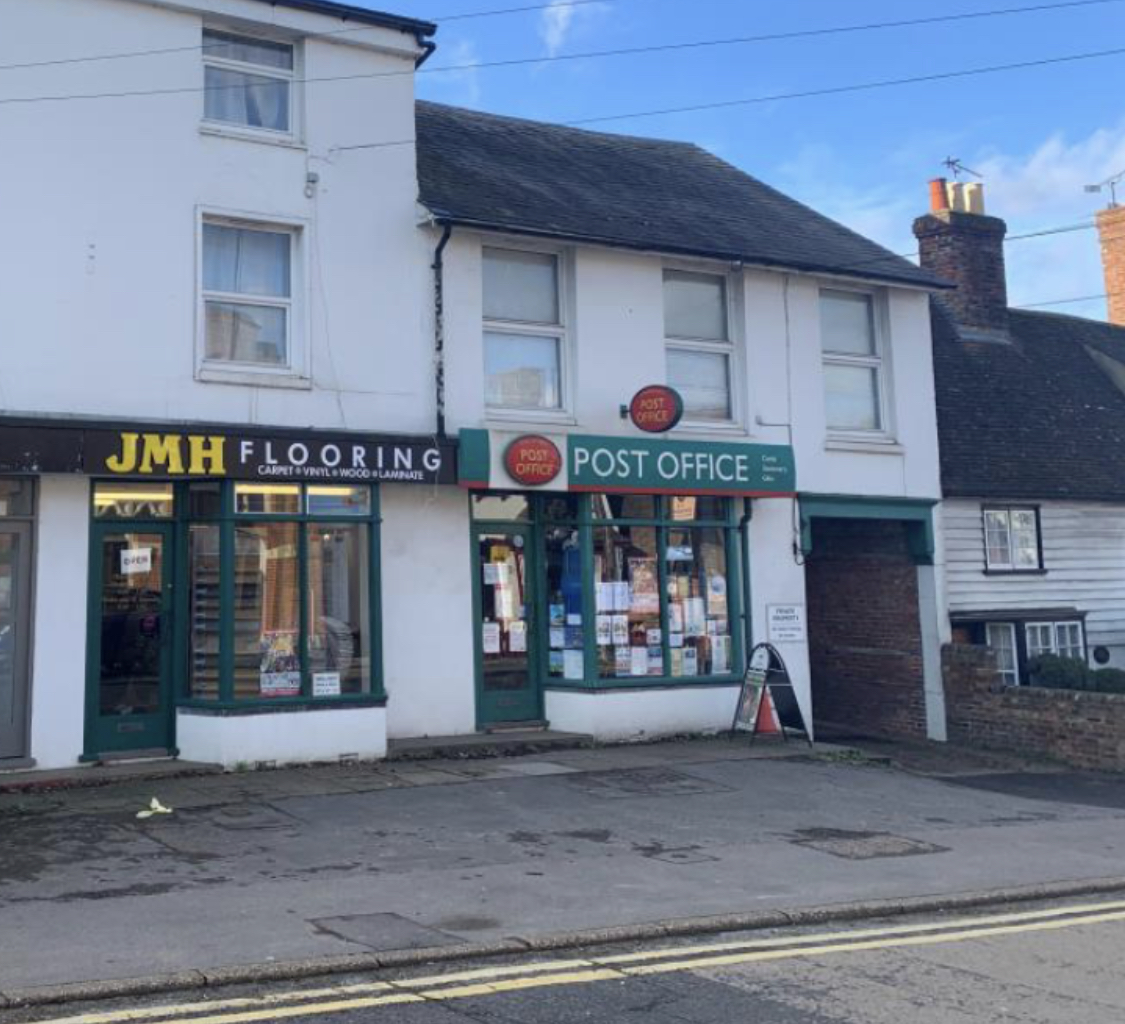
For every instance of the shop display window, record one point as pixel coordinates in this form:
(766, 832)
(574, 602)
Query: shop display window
(276, 586)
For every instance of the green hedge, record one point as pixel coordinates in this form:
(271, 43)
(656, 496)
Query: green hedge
(1055, 673)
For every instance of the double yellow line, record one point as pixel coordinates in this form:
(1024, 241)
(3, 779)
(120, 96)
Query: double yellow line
(489, 981)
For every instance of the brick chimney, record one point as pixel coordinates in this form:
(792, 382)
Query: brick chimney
(959, 243)
(1111, 232)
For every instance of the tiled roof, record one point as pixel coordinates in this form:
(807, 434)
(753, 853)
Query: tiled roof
(1033, 419)
(532, 178)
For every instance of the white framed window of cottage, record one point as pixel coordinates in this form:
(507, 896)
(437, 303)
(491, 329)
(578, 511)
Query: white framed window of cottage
(249, 278)
(248, 82)
(698, 350)
(1012, 539)
(524, 330)
(853, 353)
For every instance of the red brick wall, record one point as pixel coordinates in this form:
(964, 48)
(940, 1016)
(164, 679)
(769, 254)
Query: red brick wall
(865, 641)
(1083, 729)
(1111, 229)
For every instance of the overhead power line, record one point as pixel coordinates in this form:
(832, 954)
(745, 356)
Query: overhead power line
(129, 54)
(1063, 302)
(626, 51)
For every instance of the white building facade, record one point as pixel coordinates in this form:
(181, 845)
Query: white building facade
(256, 503)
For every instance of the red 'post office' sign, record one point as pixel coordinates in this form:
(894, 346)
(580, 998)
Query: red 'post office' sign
(533, 460)
(656, 408)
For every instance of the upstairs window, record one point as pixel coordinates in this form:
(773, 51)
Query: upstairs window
(853, 364)
(247, 295)
(247, 82)
(1011, 540)
(697, 346)
(523, 330)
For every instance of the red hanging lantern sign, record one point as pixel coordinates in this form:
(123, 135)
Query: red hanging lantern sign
(533, 460)
(656, 409)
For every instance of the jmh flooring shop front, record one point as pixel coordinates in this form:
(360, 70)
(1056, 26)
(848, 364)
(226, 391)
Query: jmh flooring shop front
(205, 590)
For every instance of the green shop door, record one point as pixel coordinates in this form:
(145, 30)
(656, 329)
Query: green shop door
(129, 705)
(508, 687)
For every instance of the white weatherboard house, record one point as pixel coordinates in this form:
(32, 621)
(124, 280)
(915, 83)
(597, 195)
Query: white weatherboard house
(1031, 409)
(313, 435)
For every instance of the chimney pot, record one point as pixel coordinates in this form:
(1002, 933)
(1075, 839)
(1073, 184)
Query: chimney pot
(938, 200)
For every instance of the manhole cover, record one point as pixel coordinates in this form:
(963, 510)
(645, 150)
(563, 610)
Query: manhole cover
(643, 782)
(384, 931)
(863, 845)
(688, 855)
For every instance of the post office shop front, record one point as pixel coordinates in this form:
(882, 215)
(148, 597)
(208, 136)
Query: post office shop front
(233, 592)
(610, 590)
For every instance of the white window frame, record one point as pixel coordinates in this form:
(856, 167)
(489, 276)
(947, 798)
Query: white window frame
(210, 126)
(1009, 677)
(297, 372)
(1010, 566)
(731, 348)
(561, 332)
(1054, 628)
(879, 361)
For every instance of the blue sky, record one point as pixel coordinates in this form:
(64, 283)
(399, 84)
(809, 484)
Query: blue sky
(1036, 135)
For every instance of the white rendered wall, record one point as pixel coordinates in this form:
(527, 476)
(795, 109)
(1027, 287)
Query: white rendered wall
(103, 235)
(281, 737)
(58, 652)
(644, 713)
(427, 611)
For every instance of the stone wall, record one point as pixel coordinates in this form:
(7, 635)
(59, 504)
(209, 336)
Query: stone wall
(865, 638)
(1086, 730)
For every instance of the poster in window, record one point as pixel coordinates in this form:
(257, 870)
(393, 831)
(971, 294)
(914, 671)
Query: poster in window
(574, 666)
(517, 636)
(572, 637)
(646, 586)
(638, 661)
(621, 630)
(326, 684)
(621, 596)
(695, 620)
(280, 668)
(675, 617)
(652, 637)
(605, 630)
(136, 561)
(677, 659)
(720, 654)
(656, 661)
(605, 595)
(490, 637)
(557, 614)
(675, 639)
(691, 661)
(623, 661)
(555, 662)
(557, 637)
(717, 595)
(491, 574)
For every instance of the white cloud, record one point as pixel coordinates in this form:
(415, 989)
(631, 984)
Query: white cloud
(461, 87)
(560, 19)
(1032, 190)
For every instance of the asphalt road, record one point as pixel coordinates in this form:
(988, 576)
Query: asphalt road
(1040, 965)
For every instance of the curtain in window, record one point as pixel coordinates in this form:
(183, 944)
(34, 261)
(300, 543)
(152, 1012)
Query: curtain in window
(253, 100)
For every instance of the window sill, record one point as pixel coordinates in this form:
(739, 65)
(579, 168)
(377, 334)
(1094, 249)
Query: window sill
(710, 427)
(641, 683)
(1014, 572)
(225, 131)
(222, 708)
(559, 418)
(210, 374)
(867, 445)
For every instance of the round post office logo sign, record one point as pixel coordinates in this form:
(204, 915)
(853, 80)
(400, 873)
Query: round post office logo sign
(656, 409)
(533, 460)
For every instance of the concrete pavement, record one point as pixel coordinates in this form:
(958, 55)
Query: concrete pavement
(290, 865)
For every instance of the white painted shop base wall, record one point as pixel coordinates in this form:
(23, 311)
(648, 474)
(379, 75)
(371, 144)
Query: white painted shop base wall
(642, 714)
(58, 643)
(282, 737)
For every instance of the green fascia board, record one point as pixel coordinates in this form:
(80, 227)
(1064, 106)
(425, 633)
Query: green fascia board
(917, 513)
(474, 458)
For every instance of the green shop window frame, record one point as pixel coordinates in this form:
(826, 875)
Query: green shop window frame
(227, 519)
(587, 523)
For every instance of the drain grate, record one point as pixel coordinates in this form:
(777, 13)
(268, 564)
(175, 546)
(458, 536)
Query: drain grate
(633, 782)
(851, 845)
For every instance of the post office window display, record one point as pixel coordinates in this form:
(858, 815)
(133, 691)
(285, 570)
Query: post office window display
(661, 587)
